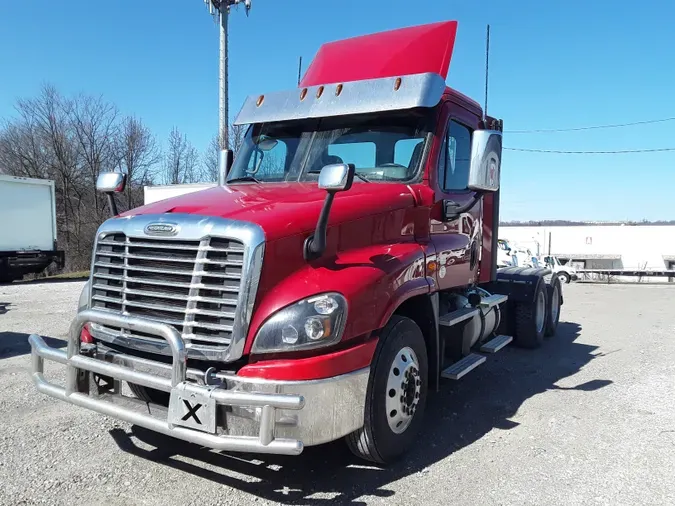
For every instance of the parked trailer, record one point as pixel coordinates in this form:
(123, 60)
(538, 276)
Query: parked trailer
(612, 274)
(320, 293)
(28, 227)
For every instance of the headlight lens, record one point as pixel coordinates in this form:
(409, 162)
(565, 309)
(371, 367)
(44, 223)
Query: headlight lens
(313, 322)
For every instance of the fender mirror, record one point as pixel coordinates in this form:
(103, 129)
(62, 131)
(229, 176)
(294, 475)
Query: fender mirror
(486, 157)
(333, 178)
(111, 183)
(336, 177)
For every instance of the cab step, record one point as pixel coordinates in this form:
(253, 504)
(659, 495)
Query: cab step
(492, 300)
(462, 367)
(496, 343)
(455, 317)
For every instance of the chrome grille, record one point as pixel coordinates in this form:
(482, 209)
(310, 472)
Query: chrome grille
(191, 285)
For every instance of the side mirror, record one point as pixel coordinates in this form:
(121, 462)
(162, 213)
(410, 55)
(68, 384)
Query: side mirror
(225, 159)
(333, 178)
(336, 177)
(486, 157)
(110, 183)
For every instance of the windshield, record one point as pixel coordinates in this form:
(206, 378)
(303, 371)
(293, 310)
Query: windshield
(382, 147)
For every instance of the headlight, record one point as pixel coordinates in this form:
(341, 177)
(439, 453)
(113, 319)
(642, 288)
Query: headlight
(313, 322)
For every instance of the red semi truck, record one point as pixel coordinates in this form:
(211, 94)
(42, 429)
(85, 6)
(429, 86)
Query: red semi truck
(346, 265)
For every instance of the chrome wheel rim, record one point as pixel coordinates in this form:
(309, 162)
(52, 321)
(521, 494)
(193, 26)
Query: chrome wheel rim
(540, 309)
(555, 304)
(403, 390)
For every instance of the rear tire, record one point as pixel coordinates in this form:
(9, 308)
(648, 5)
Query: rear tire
(554, 293)
(396, 396)
(530, 319)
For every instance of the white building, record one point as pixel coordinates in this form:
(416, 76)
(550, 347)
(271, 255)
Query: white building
(602, 246)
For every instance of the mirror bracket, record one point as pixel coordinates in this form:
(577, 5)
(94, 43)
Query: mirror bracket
(333, 178)
(452, 210)
(225, 159)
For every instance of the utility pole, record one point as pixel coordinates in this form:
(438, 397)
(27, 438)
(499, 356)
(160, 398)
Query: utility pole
(220, 10)
(223, 133)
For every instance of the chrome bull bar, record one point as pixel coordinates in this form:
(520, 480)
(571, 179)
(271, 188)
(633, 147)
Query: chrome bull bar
(179, 389)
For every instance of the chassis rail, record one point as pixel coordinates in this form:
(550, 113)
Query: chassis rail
(177, 386)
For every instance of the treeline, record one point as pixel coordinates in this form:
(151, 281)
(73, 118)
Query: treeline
(567, 223)
(71, 140)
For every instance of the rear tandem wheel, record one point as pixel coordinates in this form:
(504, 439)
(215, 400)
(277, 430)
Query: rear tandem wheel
(530, 318)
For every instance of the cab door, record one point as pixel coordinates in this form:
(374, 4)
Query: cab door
(456, 236)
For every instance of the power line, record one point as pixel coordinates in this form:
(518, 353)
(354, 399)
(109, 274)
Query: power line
(593, 127)
(618, 152)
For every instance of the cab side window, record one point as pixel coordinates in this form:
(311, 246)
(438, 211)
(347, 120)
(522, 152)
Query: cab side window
(455, 157)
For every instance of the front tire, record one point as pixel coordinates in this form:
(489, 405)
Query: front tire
(564, 277)
(149, 395)
(396, 396)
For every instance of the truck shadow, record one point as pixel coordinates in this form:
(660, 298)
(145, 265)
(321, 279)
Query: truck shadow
(13, 344)
(457, 416)
(4, 307)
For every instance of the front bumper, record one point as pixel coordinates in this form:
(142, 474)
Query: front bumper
(249, 414)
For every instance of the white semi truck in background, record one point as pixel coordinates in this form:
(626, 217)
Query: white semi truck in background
(27, 227)
(510, 253)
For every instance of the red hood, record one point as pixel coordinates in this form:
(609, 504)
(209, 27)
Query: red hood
(284, 209)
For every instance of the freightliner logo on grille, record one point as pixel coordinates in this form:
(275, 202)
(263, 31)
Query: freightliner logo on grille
(161, 229)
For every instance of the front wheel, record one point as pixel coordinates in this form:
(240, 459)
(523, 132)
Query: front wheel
(396, 396)
(564, 277)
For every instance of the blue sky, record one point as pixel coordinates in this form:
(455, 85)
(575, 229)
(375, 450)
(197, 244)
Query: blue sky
(552, 65)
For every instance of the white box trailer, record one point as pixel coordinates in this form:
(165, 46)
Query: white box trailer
(160, 192)
(27, 226)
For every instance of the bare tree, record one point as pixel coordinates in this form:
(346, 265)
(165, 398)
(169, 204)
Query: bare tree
(181, 161)
(237, 135)
(211, 156)
(139, 157)
(95, 128)
(70, 141)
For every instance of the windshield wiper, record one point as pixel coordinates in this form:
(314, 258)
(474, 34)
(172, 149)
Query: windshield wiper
(242, 179)
(360, 176)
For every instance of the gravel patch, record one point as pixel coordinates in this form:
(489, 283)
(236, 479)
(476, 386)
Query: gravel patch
(589, 418)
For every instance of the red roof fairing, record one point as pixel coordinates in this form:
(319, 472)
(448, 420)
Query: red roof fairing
(411, 50)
